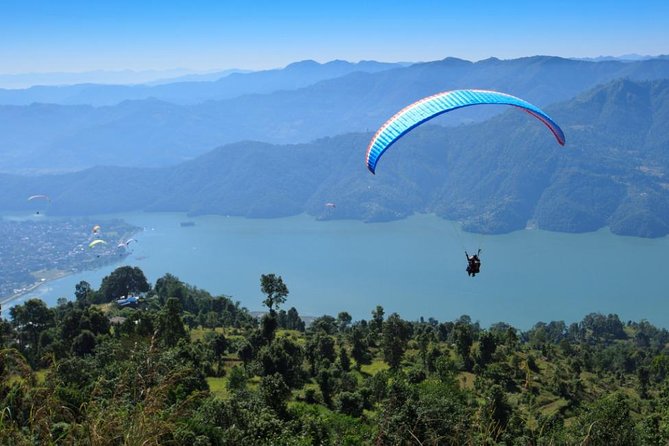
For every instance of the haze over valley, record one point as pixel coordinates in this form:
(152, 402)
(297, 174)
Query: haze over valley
(301, 132)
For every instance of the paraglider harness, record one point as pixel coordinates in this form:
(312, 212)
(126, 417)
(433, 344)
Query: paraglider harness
(473, 264)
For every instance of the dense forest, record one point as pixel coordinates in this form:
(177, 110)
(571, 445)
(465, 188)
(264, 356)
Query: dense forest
(180, 366)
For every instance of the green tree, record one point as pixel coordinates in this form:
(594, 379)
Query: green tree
(359, 347)
(349, 403)
(343, 320)
(399, 414)
(325, 346)
(320, 348)
(84, 343)
(98, 323)
(326, 382)
(659, 367)
(608, 422)
(344, 361)
(443, 415)
(423, 340)
(218, 344)
(643, 375)
(275, 290)
(246, 352)
(293, 320)
(283, 357)
(237, 379)
(326, 324)
(170, 325)
(268, 325)
(83, 293)
(274, 392)
(170, 286)
(396, 334)
(69, 325)
(29, 320)
(495, 413)
(46, 340)
(487, 347)
(144, 325)
(511, 338)
(464, 338)
(123, 281)
(376, 324)
(650, 431)
(6, 331)
(211, 319)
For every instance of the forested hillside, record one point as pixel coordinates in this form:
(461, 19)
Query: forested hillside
(501, 175)
(181, 366)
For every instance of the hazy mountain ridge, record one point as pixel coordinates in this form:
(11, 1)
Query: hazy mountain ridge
(624, 57)
(193, 89)
(154, 133)
(498, 176)
(22, 81)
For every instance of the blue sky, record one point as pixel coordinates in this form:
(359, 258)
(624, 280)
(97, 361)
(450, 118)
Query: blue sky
(68, 35)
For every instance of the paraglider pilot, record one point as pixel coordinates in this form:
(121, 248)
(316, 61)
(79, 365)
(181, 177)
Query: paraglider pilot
(473, 264)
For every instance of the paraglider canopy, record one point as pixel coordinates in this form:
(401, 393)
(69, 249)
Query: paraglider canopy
(96, 242)
(39, 197)
(41, 202)
(432, 106)
(126, 243)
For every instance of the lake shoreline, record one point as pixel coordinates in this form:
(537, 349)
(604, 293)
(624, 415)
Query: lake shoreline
(48, 249)
(414, 267)
(53, 276)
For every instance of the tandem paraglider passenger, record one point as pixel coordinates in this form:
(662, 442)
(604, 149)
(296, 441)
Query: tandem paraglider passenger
(473, 263)
(430, 107)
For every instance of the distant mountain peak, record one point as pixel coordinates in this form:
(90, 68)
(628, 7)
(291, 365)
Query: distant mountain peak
(448, 61)
(303, 63)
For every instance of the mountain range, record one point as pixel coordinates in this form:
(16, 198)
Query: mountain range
(298, 104)
(23, 81)
(498, 175)
(194, 88)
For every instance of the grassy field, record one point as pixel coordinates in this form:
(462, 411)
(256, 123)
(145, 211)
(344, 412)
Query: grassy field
(218, 386)
(375, 367)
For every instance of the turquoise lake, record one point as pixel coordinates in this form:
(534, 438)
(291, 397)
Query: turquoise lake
(415, 267)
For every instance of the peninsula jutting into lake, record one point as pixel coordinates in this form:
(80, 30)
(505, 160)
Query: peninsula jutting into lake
(36, 249)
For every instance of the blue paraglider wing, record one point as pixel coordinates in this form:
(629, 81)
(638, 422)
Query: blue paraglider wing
(432, 106)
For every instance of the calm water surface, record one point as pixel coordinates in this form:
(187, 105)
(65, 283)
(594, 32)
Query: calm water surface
(415, 267)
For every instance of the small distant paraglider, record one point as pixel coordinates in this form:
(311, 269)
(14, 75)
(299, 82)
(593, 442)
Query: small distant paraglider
(95, 243)
(329, 209)
(40, 198)
(96, 229)
(123, 246)
(126, 243)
